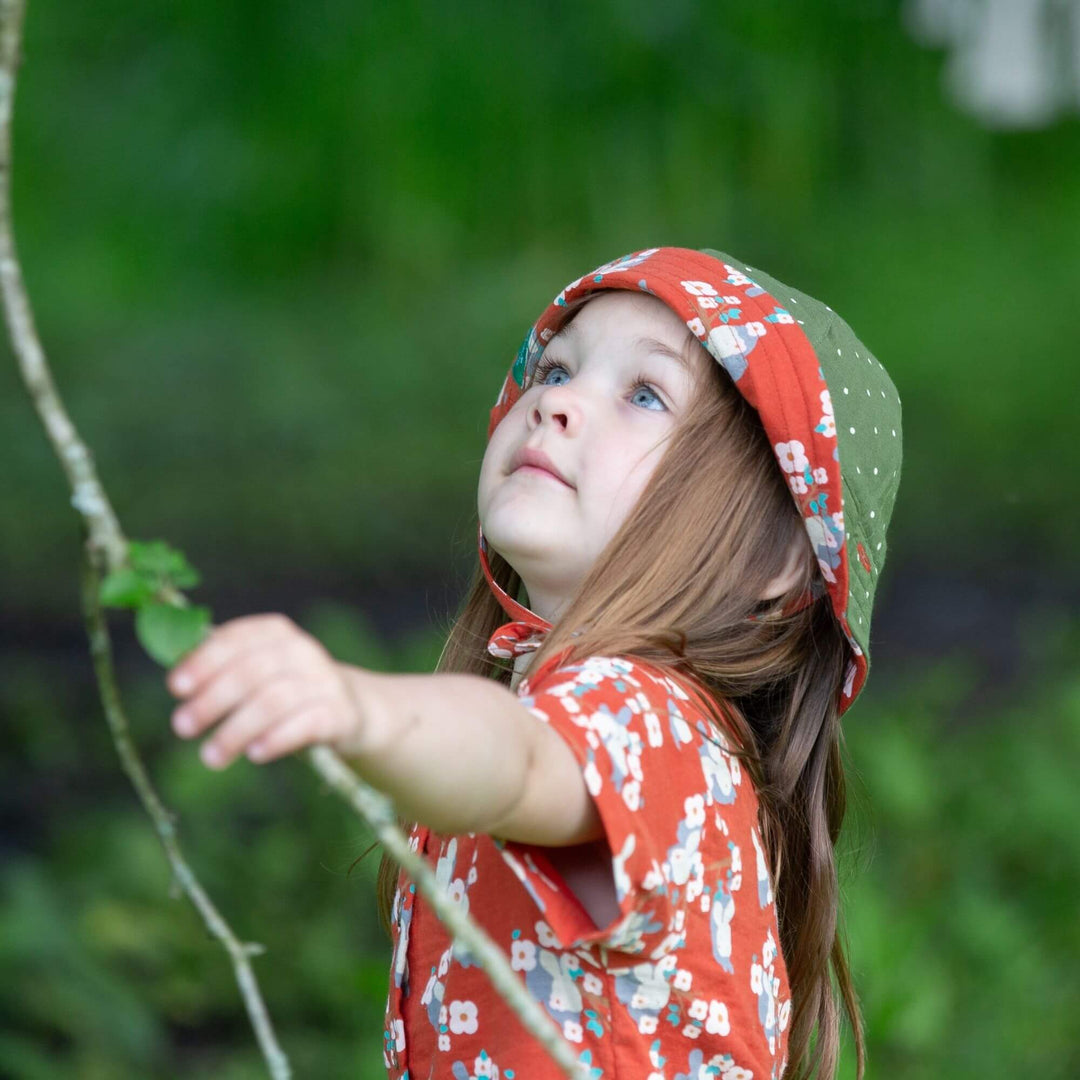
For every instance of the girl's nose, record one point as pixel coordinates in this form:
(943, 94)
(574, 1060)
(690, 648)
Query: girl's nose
(556, 407)
(555, 416)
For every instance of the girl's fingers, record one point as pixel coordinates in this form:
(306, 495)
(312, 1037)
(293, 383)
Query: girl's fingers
(223, 645)
(307, 727)
(277, 703)
(229, 687)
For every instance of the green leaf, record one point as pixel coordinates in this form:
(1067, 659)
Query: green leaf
(125, 588)
(168, 632)
(157, 559)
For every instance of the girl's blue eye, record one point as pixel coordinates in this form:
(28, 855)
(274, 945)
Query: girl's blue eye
(648, 390)
(545, 367)
(542, 371)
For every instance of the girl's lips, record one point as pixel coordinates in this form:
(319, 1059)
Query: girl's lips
(543, 472)
(534, 456)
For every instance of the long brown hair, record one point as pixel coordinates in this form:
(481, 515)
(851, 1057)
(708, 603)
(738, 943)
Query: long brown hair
(675, 586)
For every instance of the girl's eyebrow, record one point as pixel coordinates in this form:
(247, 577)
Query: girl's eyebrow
(654, 346)
(649, 344)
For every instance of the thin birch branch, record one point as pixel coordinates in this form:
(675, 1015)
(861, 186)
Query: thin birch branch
(106, 551)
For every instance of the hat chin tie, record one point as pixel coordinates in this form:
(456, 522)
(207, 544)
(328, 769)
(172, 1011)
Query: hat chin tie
(517, 612)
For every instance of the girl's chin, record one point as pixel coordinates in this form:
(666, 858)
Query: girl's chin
(527, 549)
(524, 511)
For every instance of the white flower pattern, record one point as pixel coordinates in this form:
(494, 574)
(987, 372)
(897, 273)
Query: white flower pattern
(688, 949)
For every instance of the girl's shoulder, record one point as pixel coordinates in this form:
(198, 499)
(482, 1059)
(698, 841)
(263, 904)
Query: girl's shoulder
(618, 682)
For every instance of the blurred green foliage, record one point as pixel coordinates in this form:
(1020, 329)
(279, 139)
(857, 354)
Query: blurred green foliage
(962, 877)
(281, 257)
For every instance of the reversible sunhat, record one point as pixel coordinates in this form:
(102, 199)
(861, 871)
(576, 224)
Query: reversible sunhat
(828, 407)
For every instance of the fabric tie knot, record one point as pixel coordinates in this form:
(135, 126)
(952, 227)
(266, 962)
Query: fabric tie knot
(515, 639)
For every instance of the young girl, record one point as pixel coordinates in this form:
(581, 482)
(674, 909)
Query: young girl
(635, 783)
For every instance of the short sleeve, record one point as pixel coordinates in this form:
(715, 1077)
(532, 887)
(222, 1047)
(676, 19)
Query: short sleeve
(652, 762)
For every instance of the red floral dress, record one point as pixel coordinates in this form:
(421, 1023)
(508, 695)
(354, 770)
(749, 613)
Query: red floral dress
(686, 982)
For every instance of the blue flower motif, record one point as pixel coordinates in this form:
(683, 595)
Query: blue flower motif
(595, 1072)
(654, 1054)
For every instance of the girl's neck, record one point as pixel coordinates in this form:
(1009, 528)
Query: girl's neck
(521, 664)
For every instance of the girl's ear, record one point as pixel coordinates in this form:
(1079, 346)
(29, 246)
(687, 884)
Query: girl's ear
(790, 574)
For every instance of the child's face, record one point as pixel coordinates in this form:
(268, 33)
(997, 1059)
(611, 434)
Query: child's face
(603, 432)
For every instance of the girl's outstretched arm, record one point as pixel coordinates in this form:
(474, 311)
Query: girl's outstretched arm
(460, 753)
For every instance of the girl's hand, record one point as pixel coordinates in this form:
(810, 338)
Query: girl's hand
(278, 687)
